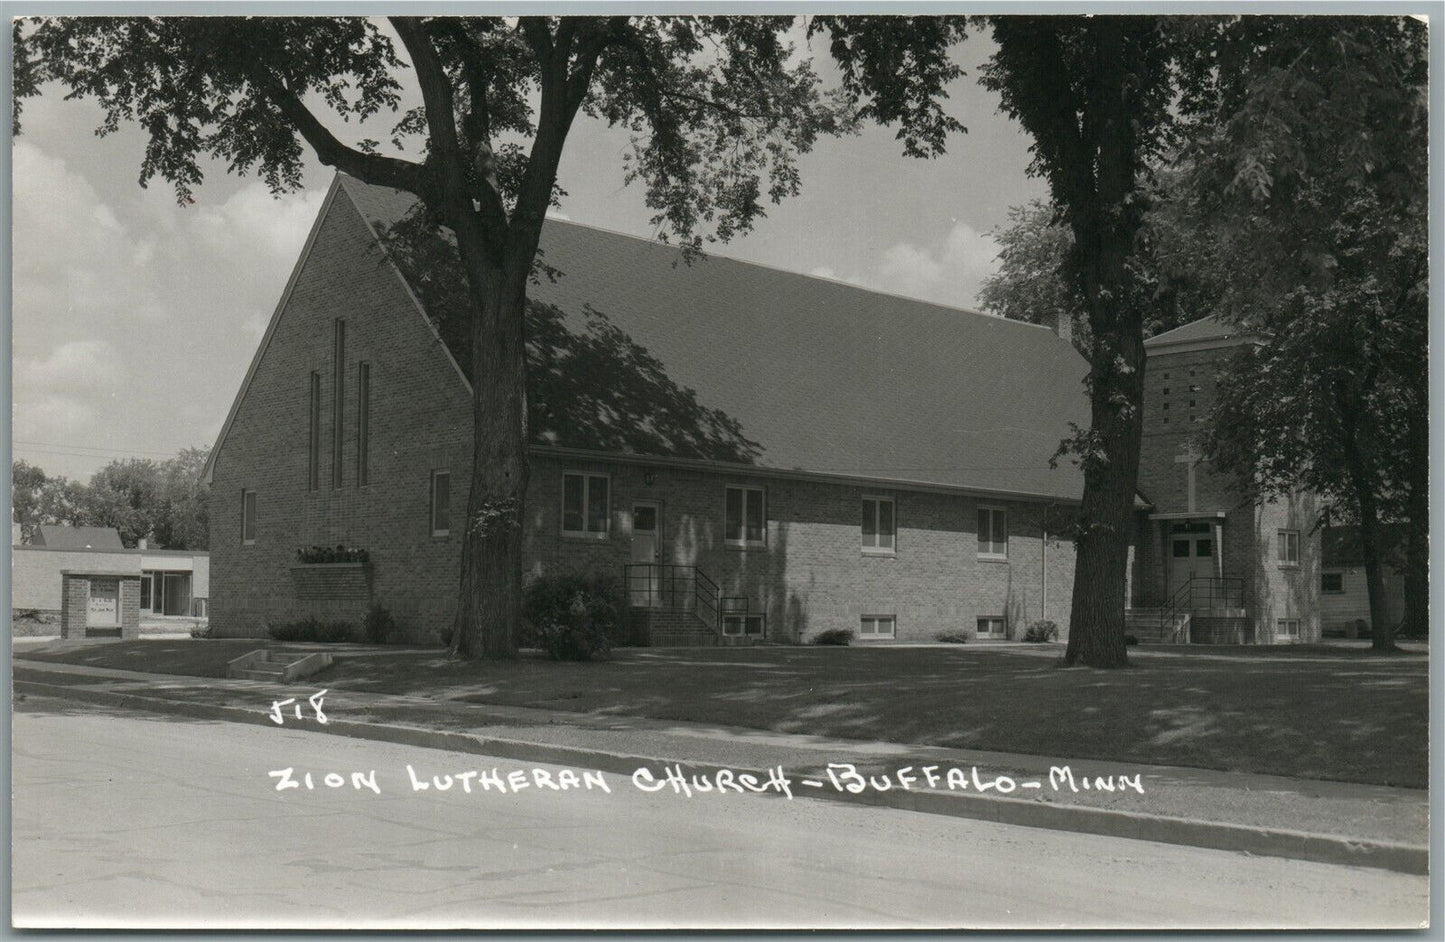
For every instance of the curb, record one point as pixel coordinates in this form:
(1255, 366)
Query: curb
(1268, 842)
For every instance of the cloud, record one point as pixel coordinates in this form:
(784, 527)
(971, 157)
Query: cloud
(949, 270)
(134, 318)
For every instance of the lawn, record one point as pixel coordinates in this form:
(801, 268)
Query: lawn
(1327, 713)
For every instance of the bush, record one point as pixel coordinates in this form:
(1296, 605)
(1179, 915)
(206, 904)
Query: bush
(834, 636)
(1041, 631)
(575, 617)
(312, 629)
(200, 631)
(1130, 639)
(952, 637)
(378, 626)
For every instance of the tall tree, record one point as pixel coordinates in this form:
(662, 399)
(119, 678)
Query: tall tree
(27, 482)
(719, 107)
(1309, 151)
(183, 518)
(126, 495)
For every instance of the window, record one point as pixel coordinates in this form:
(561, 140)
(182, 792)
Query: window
(441, 503)
(1287, 628)
(991, 626)
(146, 578)
(338, 368)
(743, 517)
(1289, 547)
(248, 517)
(313, 451)
(878, 527)
(740, 626)
(993, 532)
(877, 626)
(1332, 583)
(363, 424)
(585, 502)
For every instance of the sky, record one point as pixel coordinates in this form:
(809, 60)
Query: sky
(135, 319)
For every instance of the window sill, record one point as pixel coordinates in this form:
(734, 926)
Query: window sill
(885, 553)
(745, 546)
(991, 558)
(587, 537)
(1289, 565)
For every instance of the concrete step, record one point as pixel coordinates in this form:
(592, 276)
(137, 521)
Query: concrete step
(259, 673)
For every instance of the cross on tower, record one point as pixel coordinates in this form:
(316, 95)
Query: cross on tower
(1189, 456)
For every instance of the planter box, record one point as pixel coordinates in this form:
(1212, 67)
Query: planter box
(332, 582)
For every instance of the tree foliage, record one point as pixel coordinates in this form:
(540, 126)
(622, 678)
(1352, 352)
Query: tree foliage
(164, 502)
(1311, 162)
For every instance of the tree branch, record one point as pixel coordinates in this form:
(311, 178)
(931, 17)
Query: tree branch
(370, 168)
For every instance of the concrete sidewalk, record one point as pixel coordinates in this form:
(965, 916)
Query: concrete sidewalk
(1334, 822)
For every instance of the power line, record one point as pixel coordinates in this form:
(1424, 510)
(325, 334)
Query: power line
(91, 451)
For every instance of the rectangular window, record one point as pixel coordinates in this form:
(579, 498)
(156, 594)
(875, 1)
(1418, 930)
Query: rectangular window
(338, 413)
(1289, 547)
(441, 503)
(585, 503)
(991, 626)
(1332, 583)
(876, 626)
(145, 590)
(363, 424)
(740, 626)
(993, 532)
(744, 516)
(313, 449)
(248, 517)
(879, 536)
(1288, 628)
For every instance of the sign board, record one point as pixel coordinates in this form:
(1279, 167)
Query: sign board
(104, 607)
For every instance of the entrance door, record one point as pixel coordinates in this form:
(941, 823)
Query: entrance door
(1190, 554)
(646, 584)
(176, 593)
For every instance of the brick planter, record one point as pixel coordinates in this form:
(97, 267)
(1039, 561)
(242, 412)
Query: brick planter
(332, 590)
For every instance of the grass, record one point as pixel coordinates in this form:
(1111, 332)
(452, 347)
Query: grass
(1323, 712)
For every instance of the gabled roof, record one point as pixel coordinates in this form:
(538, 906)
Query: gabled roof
(1204, 330)
(825, 378)
(54, 536)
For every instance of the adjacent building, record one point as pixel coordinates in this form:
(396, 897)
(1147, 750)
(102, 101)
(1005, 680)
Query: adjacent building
(171, 583)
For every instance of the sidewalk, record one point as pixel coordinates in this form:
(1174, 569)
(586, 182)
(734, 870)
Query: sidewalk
(1366, 825)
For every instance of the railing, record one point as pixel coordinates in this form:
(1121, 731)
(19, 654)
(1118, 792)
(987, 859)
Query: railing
(1203, 594)
(670, 587)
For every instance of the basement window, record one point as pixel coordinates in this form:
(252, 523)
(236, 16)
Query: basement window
(743, 626)
(877, 626)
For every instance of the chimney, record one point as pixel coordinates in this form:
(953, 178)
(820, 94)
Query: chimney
(1060, 322)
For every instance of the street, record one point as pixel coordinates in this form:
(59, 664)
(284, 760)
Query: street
(138, 820)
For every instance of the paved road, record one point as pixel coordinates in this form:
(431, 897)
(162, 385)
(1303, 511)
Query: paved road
(127, 819)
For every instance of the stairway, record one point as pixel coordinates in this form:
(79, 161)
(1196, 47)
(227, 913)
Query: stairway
(1157, 625)
(277, 666)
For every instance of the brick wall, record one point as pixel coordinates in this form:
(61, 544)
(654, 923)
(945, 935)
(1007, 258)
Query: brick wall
(811, 575)
(419, 419)
(75, 604)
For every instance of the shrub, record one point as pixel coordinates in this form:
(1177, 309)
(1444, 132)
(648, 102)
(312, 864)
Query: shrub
(952, 637)
(1041, 631)
(378, 626)
(575, 617)
(332, 554)
(200, 631)
(1130, 639)
(834, 636)
(312, 629)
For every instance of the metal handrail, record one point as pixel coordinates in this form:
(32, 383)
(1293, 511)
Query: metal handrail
(673, 587)
(1214, 591)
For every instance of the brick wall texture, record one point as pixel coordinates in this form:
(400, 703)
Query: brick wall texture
(809, 577)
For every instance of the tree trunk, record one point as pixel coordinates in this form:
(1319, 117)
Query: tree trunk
(489, 606)
(1417, 522)
(1105, 219)
(1382, 634)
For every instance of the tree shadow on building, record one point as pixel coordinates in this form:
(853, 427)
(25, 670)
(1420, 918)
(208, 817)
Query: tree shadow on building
(589, 384)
